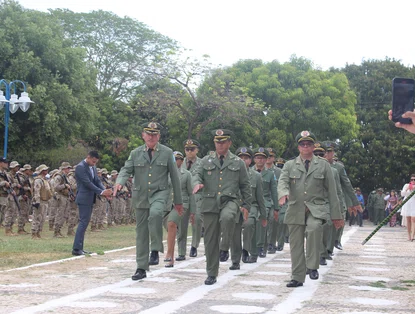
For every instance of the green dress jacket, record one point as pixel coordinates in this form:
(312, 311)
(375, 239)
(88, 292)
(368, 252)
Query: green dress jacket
(150, 178)
(222, 184)
(315, 190)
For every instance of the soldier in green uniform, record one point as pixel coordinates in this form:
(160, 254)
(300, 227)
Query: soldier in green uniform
(173, 219)
(306, 183)
(150, 164)
(248, 220)
(349, 198)
(378, 206)
(269, 183)
(191, 162)
(370, 205)
(224, 180)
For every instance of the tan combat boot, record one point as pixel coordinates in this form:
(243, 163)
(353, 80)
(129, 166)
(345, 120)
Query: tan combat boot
(71, 232)
(58, 234)
(38, 235)
(50, 226)
(34, 235)
(9, 232)
(101, 227)
(22, 231)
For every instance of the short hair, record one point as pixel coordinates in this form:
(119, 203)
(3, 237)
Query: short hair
(93, 154)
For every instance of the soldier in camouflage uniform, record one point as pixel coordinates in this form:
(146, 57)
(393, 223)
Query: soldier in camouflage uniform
(12, 211)
(42, 193)
(97, 208)
(72, 208)
(114, 201)
(53, 202)
(62, 190)
(106, 205)
(4, 187)
(25, 200)
(129, 214)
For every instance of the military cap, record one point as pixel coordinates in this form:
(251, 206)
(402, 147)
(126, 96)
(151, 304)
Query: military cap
(191, 143)
(104, 171)
(151, 127)
(271, 152)
(99, 170)
(330, 146)
(280, 161)
(26, 167)
(319, 147)
(178, 155)
(244, 151)
(221, 135)
(2, 159)
(114, 172)
(41, 168)
(261, 151)
(305, 136)
(53, 172)
(14, 164)
(65, 165)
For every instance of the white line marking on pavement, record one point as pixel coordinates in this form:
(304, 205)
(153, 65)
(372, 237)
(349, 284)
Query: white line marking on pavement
(299, 295)
(198, 293)
(66, 300)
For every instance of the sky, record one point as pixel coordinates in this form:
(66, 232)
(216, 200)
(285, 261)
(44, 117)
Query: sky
(329, 33)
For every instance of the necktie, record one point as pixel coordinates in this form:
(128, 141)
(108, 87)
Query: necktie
(150, 153)
(259, 170)
(92, 171)
(221, 160)
(189, 165)
(306, 164)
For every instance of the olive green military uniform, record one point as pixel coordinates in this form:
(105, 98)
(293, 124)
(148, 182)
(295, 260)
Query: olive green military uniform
(370, 205)
(150, 195)
(308, 209)
(378, 203)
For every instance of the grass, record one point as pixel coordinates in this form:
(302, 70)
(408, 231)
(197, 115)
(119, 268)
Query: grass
(20, 251)
(399, 288)
(408, 281)
(378, 284)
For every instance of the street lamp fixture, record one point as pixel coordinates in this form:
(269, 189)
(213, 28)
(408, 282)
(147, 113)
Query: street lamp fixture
(12, 103)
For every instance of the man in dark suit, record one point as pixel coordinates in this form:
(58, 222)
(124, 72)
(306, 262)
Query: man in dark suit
(88, 187)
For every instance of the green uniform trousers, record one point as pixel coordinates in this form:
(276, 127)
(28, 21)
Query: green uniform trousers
(281, 231)
(217, 224)
(326, 240)
(149, 225)
(299, 259)
(197, 227)
(236, 244)
(249, 232)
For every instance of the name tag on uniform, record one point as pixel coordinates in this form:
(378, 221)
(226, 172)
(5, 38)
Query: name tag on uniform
(209, 173)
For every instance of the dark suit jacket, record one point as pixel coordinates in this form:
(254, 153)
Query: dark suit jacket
(87, 187)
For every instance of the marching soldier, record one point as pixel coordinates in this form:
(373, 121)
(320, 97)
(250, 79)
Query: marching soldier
(150, 164)
(269, 182)
(42, 193)
(250, 221)
(306, 183)
(191, 162)
(224, 180)
(25, 200)
(12, 209)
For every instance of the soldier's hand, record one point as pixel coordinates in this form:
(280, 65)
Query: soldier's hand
(192, 219)
(36, 205)
(338, 223)
(283, 200)
(7, 184)
(359, 208)
(352, 210)
(276, 213)
(67, 186)
(179, 209)
(106, 192)
(245, 213)
(264, 222)
(117, 187)
(197, 188)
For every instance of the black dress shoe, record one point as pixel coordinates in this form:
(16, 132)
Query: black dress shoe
(77, 252)
(294, 283)
(323, 261)
(338, 245)
(261, 252)
(252, 259)
(313, 274)
(210, 280)
(235, 266)
(224, 256)
(139, 274)
(169, 265)
(193, 252)
(180, 258)
(245, 256)
(272, 249)
(279, 248)
(154, 258)
(287, 240)
(168, 259)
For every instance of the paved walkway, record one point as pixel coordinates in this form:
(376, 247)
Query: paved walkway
(378, 277)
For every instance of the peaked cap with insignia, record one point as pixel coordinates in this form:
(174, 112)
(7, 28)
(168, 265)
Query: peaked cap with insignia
(152, 127)
(261, 151)
(305, 136)
(191, 143)
(244, 151)
(178, 155)
(221, 135)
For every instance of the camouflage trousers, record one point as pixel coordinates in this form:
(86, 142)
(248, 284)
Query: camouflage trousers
(10, 215)
(39, 216)
(53, 203)
(129, 212)
(3, 204)
(112, 208)
(24, 212)
(61, 211)
(120, 212)
(98, 212)
(73, 215)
